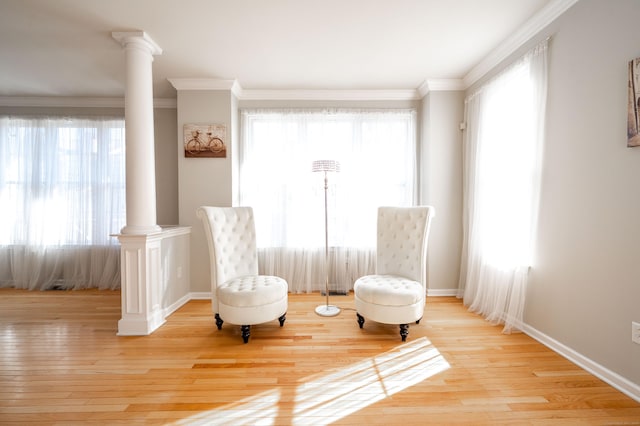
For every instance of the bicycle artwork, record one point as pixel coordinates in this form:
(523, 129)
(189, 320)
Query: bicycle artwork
(205, 140)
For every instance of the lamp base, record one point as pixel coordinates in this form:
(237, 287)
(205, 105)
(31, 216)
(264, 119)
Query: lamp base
(327, 310)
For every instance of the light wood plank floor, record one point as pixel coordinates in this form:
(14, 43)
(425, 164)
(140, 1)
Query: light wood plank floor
(61, 363)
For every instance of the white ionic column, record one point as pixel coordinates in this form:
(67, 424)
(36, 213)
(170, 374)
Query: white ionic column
(140, 239)
(140, 158)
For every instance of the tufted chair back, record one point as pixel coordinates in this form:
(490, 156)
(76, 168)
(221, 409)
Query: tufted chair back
(232, 241)
(231, 238)
(402, 241)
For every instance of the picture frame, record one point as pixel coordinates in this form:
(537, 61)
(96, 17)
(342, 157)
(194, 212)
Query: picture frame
(205, 140)
(633, 116)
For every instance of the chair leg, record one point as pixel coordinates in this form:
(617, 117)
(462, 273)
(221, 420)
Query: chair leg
(246, 332)
(282, 319)
(219, 322)
(360, 320)
(418, 322)
(404, 331)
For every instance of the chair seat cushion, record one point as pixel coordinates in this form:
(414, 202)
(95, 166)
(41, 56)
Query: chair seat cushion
(388, 290)
(249, 291)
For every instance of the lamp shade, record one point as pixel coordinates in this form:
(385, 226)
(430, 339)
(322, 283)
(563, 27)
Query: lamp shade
(325, 166)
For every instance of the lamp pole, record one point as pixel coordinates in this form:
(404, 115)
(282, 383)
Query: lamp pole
(326, 240)
(326, 166)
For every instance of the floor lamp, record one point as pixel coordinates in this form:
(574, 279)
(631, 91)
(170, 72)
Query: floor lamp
(326, 166)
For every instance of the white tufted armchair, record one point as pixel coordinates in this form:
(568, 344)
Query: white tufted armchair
(396, 294)
(238, 294)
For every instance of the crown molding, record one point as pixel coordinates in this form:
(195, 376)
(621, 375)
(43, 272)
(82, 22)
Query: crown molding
(533, 26)
(329, 94)
(75, 102)
(290, 94)
(206, 84)
(440, 85)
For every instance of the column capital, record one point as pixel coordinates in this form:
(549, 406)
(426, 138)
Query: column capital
(140, 38)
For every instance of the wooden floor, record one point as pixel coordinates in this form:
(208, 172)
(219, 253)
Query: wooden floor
(61, 363)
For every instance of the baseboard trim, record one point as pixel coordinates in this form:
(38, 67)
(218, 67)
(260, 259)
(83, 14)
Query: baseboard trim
(176, 305)
(625, 386)
(442, 292)
(200, 295)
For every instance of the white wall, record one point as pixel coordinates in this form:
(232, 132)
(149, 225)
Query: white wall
(203, 181)
(585, 284)
(174, 289)
(166, 164)
(441, 186)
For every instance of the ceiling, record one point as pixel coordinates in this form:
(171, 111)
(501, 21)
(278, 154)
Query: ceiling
(65, 48)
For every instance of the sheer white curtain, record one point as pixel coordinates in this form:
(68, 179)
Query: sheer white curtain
(502, 164)
(62, 192)
(377, 153)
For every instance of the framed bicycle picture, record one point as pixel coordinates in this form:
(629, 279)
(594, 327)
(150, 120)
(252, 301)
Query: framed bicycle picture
(633, 116)
(205, 140)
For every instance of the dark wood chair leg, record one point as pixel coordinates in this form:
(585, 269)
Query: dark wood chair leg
(404, 331)
(418, 322)
(360, 320)
(282, 319)
(246, 332)
(219, 322)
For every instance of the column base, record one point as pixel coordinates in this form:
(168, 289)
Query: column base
(141, 283)
(140, 327)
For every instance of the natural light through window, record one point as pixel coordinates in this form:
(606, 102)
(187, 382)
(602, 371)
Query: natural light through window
(503, 154)
(331, 396)
(507, 163)
(376, 149)
(65, 176)
(63, 196)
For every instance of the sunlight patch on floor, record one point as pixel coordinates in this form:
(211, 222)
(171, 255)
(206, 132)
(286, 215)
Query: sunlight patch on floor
(258, 410)
(326, 398)
(345, 391)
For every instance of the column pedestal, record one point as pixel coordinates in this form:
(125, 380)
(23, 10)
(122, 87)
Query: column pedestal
(141, 270)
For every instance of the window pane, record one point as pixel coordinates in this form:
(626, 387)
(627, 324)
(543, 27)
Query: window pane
(376, 150)
(62, 181)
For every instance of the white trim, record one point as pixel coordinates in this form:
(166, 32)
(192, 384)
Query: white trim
(59, 101)
(442, 292)
(141, 327)
(74, 102)
(440, 85)
(169, 231)
(527, 31)
(293, 94)
(331, 95)
(206, 84)
(176, 305)
(200, 295)
(192, 84)
(184, 300)
(614, 379)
